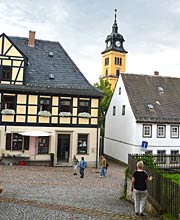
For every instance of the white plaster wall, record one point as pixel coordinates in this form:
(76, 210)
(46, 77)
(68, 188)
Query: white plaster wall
(155, 143)
(120, 130)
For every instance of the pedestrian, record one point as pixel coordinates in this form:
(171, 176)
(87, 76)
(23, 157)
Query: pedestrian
(75, 164)
(139, 187)
(82, 167)
(103, 164)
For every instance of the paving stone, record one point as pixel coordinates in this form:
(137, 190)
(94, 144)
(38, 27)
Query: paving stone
(51, 193)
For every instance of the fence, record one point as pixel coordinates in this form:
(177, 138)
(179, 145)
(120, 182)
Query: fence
(165, 192)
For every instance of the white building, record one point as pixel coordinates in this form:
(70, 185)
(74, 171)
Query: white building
(143, 109)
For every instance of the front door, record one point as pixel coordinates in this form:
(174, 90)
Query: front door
(63, 148)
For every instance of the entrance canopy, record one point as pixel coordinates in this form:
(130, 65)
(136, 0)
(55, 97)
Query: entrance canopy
(35, 133)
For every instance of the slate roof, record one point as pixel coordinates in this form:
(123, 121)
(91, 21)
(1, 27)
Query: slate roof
(67, 77)
(161, 93)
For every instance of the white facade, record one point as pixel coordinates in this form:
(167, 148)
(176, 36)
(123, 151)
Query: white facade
(123, 135)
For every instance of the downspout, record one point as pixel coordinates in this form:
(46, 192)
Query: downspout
(97, 135)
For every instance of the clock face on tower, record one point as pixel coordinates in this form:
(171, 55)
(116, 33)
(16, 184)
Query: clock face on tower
(118, 43)
(109, 43)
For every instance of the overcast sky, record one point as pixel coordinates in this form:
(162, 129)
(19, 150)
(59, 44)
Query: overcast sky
(151, 29)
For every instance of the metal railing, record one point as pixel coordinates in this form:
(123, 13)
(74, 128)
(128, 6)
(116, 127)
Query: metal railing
(163, 191)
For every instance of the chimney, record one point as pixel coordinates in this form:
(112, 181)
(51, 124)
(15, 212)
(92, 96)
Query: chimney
(156, 73)
(31, 41)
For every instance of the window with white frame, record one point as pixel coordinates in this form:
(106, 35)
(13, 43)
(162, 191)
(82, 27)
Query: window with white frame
(161, 131)
(174, 131)
(174, 156)
(147, 130)
(161, 156)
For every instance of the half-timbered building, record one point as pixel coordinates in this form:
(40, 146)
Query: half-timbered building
(43, 92)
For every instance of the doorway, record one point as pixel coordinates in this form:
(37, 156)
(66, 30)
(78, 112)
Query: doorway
(63, 148)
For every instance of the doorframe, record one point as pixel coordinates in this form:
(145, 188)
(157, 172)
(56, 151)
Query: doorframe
(70, 133)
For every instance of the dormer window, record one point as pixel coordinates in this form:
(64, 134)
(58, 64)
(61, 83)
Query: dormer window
(150, 107)
(161, 90)
(6, 73)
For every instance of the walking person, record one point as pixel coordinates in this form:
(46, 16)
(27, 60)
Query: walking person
(139, 187)
(103, 164)
(75, 164)
(82, 167)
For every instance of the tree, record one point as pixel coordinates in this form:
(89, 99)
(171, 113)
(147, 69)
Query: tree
(105, 87)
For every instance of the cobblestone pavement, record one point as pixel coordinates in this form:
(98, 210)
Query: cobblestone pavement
(46, 193)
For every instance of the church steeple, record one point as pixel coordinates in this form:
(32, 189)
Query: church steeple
(114, 55)
(114, 41)
(115, 27)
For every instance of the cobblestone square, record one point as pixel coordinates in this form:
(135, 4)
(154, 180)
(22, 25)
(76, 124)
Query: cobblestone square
(46, 193)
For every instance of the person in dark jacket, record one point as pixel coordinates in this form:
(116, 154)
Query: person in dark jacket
(139, 187)
(82, 166)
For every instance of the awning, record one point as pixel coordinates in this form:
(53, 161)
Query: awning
(35, 133)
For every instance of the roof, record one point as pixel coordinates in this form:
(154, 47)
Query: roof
(68, 79)
(153, 98)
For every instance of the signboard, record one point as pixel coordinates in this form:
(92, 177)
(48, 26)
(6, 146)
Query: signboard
(144, 145)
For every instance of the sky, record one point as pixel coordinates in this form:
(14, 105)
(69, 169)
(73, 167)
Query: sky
(151, 29)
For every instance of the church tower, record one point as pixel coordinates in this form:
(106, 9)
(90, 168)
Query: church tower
(114, 56)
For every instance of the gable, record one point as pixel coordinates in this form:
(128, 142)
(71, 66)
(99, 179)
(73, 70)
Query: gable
(12, 62)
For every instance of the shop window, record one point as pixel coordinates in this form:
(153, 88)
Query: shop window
(43, 145)
(82, 143)
(16, 142)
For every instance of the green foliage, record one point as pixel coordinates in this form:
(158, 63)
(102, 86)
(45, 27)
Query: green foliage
(147, 159)
(105, 87)
(123, 197)
(174, 177)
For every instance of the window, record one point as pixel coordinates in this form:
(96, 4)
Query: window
(123, 109)
(174, 131)
(161, 156)
(43, 145)
(17, 142)
(114, 110)
(118, 61)
(44, 104)
(117, 72)
(174, 156)
(106, 72)
(149, 152)
(119, 90)
(147, 131)
(84, 106)
(8, 102)
(161, 131)
(65, 105)
(6, 73)
(106, 61)
(82, 143)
